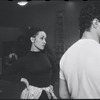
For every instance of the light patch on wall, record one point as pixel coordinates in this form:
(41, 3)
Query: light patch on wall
(70, 4)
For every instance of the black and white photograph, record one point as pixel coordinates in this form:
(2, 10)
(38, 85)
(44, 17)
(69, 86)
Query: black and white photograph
(49, 49)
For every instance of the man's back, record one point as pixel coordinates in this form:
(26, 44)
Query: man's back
(81, 68)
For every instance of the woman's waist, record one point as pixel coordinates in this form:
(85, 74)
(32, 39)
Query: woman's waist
(39, 84)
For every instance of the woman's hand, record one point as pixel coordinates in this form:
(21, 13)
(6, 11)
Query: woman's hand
(26, 82)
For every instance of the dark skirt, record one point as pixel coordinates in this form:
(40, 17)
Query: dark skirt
(43, 95)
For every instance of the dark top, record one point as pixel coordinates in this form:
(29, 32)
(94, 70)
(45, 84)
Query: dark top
(37, 67)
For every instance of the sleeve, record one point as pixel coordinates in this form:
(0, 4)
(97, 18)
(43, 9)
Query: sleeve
(61, 76)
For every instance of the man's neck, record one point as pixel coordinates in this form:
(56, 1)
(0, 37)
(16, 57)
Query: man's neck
(90, 35)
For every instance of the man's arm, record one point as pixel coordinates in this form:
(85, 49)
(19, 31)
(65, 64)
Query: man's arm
(63, 90)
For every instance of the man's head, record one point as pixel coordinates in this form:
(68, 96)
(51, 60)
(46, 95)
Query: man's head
(89, 15)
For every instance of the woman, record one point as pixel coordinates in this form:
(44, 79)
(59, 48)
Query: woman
(36, 69)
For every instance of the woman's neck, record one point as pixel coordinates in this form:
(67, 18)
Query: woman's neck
(34, 49)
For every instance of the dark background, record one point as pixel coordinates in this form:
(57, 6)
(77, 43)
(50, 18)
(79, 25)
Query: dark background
(15, 20)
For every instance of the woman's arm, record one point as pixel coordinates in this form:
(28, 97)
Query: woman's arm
(55, 71)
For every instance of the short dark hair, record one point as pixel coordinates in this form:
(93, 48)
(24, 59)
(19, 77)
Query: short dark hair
(33, 31)
(87, 14)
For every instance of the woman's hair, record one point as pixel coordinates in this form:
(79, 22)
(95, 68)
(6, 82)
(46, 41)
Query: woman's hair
(20, 46)
(33, 31)
(87, 14)
(47, 50)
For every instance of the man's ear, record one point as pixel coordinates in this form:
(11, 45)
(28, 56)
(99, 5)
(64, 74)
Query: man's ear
(95, 23)
(32, 39)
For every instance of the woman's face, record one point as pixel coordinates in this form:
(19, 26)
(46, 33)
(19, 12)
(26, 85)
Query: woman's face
(40, 41)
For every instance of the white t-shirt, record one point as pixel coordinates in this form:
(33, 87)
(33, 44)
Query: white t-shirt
(80, 67)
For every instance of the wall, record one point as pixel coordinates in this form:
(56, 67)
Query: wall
(71, 14)
(42, 15)
(9, 34)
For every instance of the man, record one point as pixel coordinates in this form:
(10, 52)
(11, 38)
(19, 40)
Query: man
(80, 65)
